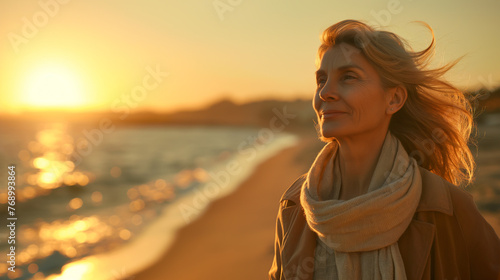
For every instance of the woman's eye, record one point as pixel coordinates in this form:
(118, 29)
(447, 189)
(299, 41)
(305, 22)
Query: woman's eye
(348, 77)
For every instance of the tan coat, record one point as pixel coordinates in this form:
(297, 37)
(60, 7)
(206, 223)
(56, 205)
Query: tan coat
(447, 238)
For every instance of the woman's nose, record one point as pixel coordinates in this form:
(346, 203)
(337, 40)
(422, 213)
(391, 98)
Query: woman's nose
(329, 92)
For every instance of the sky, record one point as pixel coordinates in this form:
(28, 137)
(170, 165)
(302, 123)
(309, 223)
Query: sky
(166, 55)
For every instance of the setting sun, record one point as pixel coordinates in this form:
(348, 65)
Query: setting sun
(53, 86)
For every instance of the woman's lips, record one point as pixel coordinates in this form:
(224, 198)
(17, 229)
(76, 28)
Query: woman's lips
(332, 114)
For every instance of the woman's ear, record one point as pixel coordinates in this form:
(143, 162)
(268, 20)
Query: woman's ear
(396, 100)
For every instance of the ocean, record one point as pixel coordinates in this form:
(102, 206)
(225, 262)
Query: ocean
(103, 203)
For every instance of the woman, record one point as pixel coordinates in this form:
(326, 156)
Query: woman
(381, 200)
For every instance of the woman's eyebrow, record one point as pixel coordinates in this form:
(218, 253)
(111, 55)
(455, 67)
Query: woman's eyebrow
(341, 68)
(348, 66)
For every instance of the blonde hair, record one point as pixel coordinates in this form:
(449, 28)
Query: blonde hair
(436, 121)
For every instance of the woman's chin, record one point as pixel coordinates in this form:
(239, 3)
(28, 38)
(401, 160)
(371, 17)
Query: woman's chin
(332, 133)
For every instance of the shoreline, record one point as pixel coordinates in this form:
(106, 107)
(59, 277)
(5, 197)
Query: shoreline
(234, 238)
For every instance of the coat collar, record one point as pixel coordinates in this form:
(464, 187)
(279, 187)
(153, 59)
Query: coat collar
(435, 193)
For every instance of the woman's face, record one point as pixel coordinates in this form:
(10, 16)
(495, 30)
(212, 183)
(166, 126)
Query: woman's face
(349, 99)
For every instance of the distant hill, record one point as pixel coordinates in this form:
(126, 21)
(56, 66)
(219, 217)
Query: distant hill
(299, 115)
(257, 113)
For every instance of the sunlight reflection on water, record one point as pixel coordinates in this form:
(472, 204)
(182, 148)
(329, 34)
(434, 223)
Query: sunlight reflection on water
(72, 212)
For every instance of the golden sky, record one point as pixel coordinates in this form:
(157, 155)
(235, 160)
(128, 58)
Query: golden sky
(170, 55)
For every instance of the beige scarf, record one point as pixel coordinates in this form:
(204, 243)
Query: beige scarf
(363, 231)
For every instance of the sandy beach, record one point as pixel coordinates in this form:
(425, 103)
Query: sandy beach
(234, 237)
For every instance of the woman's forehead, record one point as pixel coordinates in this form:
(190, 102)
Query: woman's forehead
(342, 56)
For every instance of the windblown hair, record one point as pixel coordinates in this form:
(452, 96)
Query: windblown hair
(436, 121)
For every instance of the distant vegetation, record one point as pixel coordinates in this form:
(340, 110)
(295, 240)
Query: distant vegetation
(485, 102)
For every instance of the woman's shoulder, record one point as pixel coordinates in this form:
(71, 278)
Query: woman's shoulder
(440, 195)
(458, 225)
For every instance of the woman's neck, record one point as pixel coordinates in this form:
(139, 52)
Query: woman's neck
(358, 158)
